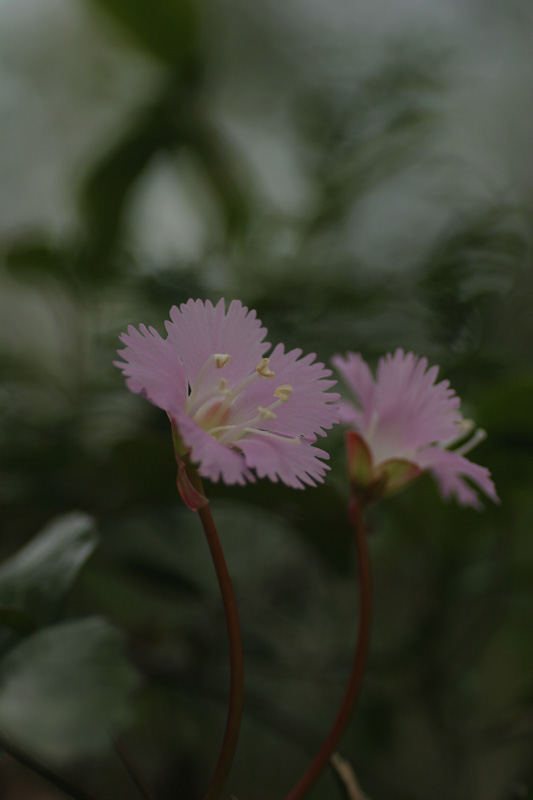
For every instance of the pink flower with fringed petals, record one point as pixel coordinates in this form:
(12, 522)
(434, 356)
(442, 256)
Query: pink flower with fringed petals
(404, 424)
(238, 414)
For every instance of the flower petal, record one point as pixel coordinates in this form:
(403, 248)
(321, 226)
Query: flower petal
(310, 408)
(357, 375)
(153, 368)
(297, 465)
(199, 330)
(350, 415)
(214, 460)
(412, 410)
(450, 469)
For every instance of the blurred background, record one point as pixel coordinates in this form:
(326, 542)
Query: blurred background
(361, 174)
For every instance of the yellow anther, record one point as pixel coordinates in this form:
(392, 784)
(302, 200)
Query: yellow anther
(221, 359)
(263, 370)
(283, 392)
(266, 413)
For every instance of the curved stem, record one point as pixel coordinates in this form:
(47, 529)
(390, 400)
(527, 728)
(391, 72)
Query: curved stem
(233, 720)
(358, 668)
(48, 774)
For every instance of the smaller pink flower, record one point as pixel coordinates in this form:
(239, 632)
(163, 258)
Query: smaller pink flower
(403, 424)
(236, 414)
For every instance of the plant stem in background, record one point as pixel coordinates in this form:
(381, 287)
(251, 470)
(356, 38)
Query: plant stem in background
(233, 720)
(48, 774)
(132, 771)
(365, 614)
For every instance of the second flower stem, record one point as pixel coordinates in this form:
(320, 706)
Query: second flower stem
(358, 668)
(233, 720)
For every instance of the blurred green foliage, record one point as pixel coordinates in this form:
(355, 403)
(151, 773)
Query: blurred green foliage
(447, 706)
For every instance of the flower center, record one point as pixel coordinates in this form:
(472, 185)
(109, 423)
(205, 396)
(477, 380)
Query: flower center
(213, 408)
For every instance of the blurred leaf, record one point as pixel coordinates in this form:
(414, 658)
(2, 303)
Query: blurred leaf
(218, 160)
(64, 689)
(162, 125)
(108, 186)
(35, 580)
(469, 266)
(35, 256)
(168, 29)
(370, 133)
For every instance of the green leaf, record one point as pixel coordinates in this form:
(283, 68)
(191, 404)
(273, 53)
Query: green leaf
(35, 580)
(168, 29)
(64, 689)
(108, 185)
(35, 257)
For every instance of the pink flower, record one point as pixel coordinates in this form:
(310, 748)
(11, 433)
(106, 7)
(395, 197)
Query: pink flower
(233, 409)
(403, 424)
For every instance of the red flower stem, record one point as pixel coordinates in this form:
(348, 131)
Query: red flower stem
(233, 720)
(365, 615)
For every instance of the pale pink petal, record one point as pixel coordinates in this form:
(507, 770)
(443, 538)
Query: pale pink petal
(349, 415)
(199, 330)
(297, 465)
(411, 410)
(450, 469)
(153, 368)
(214, 461)
(310, 409)
(357, 375)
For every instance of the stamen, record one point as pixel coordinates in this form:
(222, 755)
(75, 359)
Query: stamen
(266, 413)
(232, 433)
(263, 370)
(478, 437)
(283, 392)
(221, 359)
(464, 427)
(270, 435)
(223, 387)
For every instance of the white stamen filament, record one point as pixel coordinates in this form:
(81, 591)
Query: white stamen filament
(266, 413)
(235, 434)
(220, 360)
(478, 437)
(464, 427)
(261, 370)
(231, 433)
(270, 435)
(211, 408)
